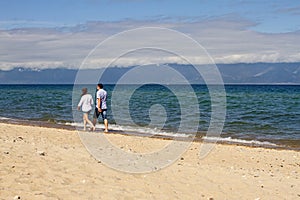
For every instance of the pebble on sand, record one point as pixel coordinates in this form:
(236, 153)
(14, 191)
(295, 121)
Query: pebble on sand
(41, 153)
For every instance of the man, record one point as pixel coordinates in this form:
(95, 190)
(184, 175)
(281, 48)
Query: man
(101, 107)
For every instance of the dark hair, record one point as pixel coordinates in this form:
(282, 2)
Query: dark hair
(100, 85)
(84, 91)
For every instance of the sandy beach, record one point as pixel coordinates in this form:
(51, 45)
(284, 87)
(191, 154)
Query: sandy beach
(50, 163)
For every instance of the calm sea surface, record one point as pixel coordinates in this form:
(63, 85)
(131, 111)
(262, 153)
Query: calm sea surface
(262, 113)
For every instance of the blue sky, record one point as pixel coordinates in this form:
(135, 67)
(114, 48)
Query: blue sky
(61, 33)
(269, 16)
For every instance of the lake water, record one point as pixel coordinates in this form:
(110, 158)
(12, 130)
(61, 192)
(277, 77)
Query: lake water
(262, 114)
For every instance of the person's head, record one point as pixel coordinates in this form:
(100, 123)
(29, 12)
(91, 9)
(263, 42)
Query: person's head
(99, 86)
(84, 91)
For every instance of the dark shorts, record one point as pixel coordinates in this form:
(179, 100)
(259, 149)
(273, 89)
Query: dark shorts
(103, 113)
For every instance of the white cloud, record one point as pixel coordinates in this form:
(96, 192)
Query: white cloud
(226, 39)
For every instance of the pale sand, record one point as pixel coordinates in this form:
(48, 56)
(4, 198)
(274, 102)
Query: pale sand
(68, 171)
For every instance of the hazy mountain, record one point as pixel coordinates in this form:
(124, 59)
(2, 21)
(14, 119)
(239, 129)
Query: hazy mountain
(265, 73)
(28, 76)
(261, 73)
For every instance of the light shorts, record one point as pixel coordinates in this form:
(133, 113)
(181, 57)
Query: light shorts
(88, 112)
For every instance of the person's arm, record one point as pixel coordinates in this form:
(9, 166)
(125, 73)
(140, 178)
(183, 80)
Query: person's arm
(92, 101)
(80, 103)
(99, 103)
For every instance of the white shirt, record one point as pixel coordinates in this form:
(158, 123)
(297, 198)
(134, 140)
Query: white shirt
(102, 95)
(86, 102)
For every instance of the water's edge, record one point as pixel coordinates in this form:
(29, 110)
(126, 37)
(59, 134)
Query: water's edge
(295, 146)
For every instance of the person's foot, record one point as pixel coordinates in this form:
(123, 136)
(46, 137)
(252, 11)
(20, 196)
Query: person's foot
(105, 131)
(92, 128)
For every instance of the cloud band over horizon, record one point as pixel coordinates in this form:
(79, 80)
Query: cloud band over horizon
(227, 40)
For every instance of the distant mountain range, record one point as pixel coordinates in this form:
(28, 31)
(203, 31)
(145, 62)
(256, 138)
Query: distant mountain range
(241, 73)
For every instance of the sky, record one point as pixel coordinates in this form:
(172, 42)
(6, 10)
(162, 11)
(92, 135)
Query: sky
(61, 33)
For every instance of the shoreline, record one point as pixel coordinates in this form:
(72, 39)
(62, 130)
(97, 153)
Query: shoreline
(50, 163)
(287, 145)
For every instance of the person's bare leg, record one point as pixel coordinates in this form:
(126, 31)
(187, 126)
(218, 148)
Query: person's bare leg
(89, 122)
(84, 122)
(94, 121)
(106, 125)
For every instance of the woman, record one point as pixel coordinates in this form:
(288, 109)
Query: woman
(86, 103)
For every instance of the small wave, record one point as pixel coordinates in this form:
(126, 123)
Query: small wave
(134, 129)
(5, 118)
(70, 124)
(238, 141)
(153, 131)
(238, 123)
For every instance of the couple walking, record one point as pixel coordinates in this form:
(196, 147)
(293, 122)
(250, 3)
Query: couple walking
(86, 103)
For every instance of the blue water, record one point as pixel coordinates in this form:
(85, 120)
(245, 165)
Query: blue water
(253, 112)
